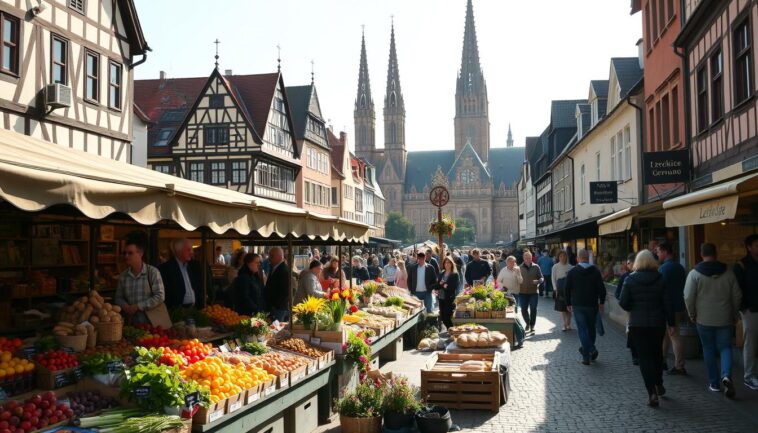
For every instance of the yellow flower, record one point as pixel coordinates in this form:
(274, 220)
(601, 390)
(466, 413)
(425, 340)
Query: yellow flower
(310, 306)
(346, 294)
(336, 297)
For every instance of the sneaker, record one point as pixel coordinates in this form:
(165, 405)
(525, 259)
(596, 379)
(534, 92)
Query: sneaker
(677, 372)
(752, 384)
(660, 390)
(594, 355)
(652, 401)
(714, 388)
(728, 387)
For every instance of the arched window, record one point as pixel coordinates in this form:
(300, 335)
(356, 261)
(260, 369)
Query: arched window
(363, 135)
(393, 133)
(467, 176)
(362, 102)
(393, 99)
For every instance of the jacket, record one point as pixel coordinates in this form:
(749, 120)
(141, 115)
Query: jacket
(248, 293)
(452, 281)
(712, 295)
(510, 281)
(477, 270)
(174, 282)
(277, 286)
(430, 277)
(528, 275)
(746, 271)
(620, 285)
(647, 299)
(674, 276)
(360, 274)
(584, 287)
(546, 265)
(308, 285)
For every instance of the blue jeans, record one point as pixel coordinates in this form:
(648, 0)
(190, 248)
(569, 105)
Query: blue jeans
(586, 318)
(427, 298)
(528, 303)
(716, 339)
(547, 286)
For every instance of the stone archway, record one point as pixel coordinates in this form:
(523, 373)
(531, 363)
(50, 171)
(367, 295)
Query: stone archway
(469, 215)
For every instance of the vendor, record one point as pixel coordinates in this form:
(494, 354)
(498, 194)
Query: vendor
(360, 273)
(333, 272)
(140, 286)
(248, 286)
(183, 277)
(277, 285)
(310, 283)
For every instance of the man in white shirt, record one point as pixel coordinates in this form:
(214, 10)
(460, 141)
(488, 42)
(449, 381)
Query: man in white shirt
(422, 280)
(220, 260)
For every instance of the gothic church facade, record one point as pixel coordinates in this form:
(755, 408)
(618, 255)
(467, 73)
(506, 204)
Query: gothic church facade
(481, 180)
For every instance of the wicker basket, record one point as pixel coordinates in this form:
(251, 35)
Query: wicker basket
(109, 332)
(92, 339)
(76, 342)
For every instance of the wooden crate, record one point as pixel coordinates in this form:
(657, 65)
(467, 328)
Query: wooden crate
(443, 383)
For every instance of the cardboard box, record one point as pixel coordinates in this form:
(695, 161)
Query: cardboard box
(302, 416)
(211, 414)
(298, 374)
(235, 402)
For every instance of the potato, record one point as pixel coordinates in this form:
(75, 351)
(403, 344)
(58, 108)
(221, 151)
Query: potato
(94, 319)
(95, 303)
(83, 300)
(108, 307)
(105, 319)
(116, 308)
(65, 324)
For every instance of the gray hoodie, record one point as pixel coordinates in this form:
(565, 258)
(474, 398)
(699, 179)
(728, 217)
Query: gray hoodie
(712, 295)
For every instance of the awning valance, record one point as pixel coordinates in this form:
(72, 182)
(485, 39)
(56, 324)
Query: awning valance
(621, 221)
(35, 175)
(710, 205)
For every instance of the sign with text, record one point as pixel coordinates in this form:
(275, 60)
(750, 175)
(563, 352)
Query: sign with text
(671, 166)
(604, 192)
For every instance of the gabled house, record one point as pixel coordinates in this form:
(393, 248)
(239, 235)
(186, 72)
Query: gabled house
(341, 182)
(234, 131)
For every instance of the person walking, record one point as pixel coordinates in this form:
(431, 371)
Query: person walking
(646, 297)
(674, 277)
(558, 277)
(249, 285)
(401, 276)
(713, 299)
(546, 263)
(448, 284)
(140, 286)
(510, 278)
(585, 298)
(628, 271)
(528, 296)
(390, 271)
(477, 270)
(746, 271)
(422, 280)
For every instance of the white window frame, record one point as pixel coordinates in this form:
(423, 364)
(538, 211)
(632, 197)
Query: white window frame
(614, 174)
(582, 179)
(628, 151)
(620, 155)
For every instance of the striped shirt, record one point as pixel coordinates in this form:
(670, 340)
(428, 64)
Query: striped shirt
(143, 290)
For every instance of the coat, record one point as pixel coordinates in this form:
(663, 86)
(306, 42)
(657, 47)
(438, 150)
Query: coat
(528, 276)
(452, 281)
(277, 286)
(647, 299)
(173, 282)
(584, 287)
(430, 277)
(247, 293)
(712, 295)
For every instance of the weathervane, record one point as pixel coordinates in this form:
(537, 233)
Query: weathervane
(313, 73)
(216, 42)
(278, 57)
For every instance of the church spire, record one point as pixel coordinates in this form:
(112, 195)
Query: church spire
(471, 77)
(509, 141)
(364, 101)
(393, 100)
(363, 116)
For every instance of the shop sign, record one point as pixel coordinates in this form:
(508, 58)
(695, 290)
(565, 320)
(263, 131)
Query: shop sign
(604, 192)
(665, 167)
(708, 212)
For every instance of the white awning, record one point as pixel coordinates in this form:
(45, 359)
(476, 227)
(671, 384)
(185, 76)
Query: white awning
(617, 222)
(710, 205)
(36, 174)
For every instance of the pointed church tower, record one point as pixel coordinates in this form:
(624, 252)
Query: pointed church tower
(509, 140)
(364, 116)
(392, 176)
(471, 103)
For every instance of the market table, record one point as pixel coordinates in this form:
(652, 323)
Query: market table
(505, 325)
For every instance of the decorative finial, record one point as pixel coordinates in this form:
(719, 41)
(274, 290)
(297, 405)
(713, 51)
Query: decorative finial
(363, 29)
(278, 58)
(392, 17)
(216, 42)
(312, 71)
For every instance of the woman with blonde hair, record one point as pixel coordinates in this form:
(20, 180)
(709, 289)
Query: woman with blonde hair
(509, 277)
(401, 276)
(558, 276)
(649, 303)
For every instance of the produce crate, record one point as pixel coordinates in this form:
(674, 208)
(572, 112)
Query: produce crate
(483, 314)
(268, 388)
(50, 380)
(235, 402)
(443, 383)
(282, 380)
(312, 365)
(210, 414)
(332, 336)
(17, 384)
(253, 394)
(298, 374)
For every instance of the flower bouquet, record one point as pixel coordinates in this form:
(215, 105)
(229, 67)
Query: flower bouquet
(361, 409)
(253, 329)
(307, 310)
(369, 289)
(444, 227)
(357, 350)
(338, 302)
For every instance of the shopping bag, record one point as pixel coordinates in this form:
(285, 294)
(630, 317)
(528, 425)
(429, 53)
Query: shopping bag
(599, 325)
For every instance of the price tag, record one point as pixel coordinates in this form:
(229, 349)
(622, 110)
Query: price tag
(67, 350)
(114, 366)
(142, 392)
(29, 352)
(215, 416)
(316, 341)
(234, 406)
(270, 390)
(224, 348)
(78, 373)
(191, 400)
(61, 380)
(253, 397)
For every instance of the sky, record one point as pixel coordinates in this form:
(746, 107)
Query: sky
(531, 52)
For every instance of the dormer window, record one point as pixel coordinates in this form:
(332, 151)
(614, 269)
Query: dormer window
(595, 111)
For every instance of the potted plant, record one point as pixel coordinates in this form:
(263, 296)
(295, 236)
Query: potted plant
(434, 419)
(307, 310)
(360, 410)
(445, 227)
(499, 304)
(337, 303)
(483, 309)
(357, 350)
(401, 403)
(253, 329)
(369, 289)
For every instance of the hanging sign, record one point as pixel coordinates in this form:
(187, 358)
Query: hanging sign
(604, 192)
(671, 166)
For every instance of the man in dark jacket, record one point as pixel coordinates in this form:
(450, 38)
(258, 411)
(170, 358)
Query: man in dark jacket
(585, 297)
(432, 260)
(629, 264)
(278, 285)
(674, 277)
(183, 277)
(422, 280)
(746, 271)
(477, 269)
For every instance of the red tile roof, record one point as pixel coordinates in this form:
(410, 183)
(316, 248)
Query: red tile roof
(337, 152)
(257, 93)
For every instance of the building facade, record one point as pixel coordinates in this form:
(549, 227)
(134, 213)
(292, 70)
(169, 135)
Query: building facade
(482, 180)
(66, 72)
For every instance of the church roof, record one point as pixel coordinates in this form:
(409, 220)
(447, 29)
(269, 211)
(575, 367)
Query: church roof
(505, 165)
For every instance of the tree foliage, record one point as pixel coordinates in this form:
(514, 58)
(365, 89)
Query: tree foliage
(465, 232)
(398, 227)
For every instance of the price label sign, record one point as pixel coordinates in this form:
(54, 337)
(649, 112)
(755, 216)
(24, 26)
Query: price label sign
(235, 406)
(270, 390)
(215, 416)
(224, 348)
(191, 400)
(79, 373)
(114, 366)
(61, 380)
(142, 392)
(29, 352)
(253, 397)
(67, 349)
(316, 341)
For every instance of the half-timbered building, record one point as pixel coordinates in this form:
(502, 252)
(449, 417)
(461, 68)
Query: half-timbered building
(66, 72)
(234, 131)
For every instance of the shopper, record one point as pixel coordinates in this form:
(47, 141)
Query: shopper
(309, 283)
(140, 286)
(713, 299)
(431, 258)
(585, 298)
(646, 297)
(628, 271)
(674, 277)
(249, 286)
(183, 277)
(528, 296)
(510, 277)
(545, 263)
(219, 260)
(558, 277)
(746, 271)
(477, 270)
(448, 284)
(461, 270)
(360, 273)
(390, 271)
(422, 280)
(401, 276)
(278, 285)
(333, 272)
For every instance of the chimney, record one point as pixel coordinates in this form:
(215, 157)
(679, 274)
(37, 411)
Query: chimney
(163, 75)
(228, 72)
(343, 138)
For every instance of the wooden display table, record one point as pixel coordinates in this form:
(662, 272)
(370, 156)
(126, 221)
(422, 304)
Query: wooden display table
(505, 325)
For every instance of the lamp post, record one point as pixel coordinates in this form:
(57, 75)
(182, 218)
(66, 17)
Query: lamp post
(439, 196)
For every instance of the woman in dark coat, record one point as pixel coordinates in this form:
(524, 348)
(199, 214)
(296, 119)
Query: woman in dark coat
(448, 283)
(646, 298)
(249, 286)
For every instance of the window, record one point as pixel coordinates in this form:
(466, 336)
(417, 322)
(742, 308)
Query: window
(114, 85)
(670, 4)
(619, 156)
(77, 5)
(651, 127)
(582, 179)
(665, 123)
(239, 172)
(218, 173)
(743, 82)
(661, 15)
(658, 126)
(702, 100)
(358, 200)
(597, 166)
(163, 136)
(675, 115)
(59, 60)
(628, 152)
(648, 34)
(216, 101)
(91, 79)
(717, 86)
(9, 34)
(172, 116)
(162, 168)
(216, 134)
(654, 17)
(275, 177)
(614, 173)
(197, 171)
(335, 197)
